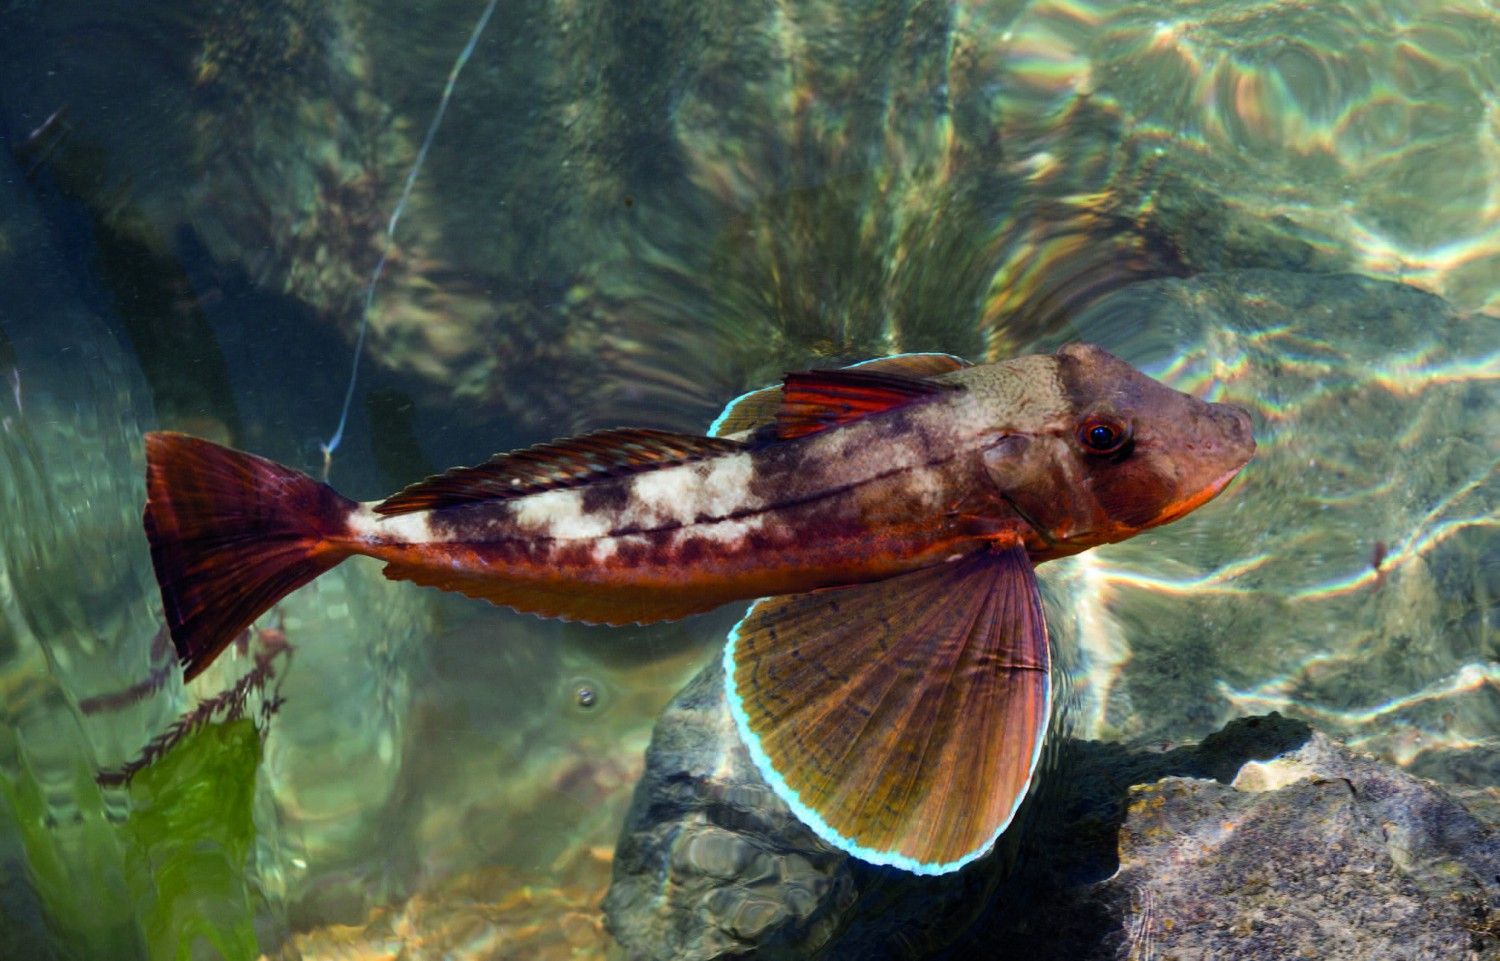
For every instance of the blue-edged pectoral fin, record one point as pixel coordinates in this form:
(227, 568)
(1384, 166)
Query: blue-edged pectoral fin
(901, 720)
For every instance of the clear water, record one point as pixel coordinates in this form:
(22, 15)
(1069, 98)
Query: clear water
(630, 214)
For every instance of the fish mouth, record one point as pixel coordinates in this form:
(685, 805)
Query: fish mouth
(1196, 500)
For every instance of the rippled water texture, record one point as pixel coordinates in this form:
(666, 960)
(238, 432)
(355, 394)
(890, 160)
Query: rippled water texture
(632, 213)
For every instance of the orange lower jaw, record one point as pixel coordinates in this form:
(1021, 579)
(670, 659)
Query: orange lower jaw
(1041, 549)
(1187, 505)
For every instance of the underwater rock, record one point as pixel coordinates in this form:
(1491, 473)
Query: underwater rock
(1317, 853)
(693, 876)
(1265, 840)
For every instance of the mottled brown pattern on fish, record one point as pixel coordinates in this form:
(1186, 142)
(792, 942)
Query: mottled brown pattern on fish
(606, 497)
(873, 498)
(805, 526)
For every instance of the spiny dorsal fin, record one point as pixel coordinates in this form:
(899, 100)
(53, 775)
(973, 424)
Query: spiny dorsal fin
(561, 463)
(758, 408)
(816, 400)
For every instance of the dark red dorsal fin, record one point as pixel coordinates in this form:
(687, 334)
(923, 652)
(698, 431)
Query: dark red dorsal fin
(757, 408)
(558, 464)
(816, 400)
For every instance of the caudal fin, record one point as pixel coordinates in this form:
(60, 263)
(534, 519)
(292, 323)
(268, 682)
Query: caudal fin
(231, 534)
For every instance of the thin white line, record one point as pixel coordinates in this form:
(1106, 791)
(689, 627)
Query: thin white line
(390, 230)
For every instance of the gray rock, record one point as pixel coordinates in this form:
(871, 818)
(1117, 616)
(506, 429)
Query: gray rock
(1267, 840)
(1318, 853)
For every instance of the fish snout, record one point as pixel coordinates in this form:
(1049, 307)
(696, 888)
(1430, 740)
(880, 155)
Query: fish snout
(1223, 438)
(1237, 428)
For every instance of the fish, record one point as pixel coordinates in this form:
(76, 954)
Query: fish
(891, 679)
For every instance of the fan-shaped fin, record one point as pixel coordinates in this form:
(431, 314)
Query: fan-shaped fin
(901, 720)
(561, 463)
(758, 408)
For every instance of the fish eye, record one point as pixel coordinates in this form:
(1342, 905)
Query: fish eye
(1100, 435)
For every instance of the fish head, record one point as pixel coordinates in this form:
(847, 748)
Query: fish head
(1115, 453)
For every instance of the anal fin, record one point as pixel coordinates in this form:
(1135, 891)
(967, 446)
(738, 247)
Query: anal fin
(586, 604)
(901, 720)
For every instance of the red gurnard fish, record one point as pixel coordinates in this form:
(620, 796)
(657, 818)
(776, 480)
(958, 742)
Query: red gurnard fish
(892, 684)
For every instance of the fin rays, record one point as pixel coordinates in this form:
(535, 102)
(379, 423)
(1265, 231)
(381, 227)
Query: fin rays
(230, 535)
(903, 793)
(901, 720)
(857, 737)
(816, 400)
(759, 408)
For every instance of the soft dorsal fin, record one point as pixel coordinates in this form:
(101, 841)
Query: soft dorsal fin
(759, 408)
(816, 400)
(561, 463)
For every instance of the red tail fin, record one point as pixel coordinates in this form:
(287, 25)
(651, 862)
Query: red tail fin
(231, 534)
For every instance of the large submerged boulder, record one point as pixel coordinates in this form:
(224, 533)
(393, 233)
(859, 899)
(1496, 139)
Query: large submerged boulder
(1317, 853)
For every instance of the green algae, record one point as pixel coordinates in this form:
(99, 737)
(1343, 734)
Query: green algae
(191, 832)
(76, 876)
(163, 881)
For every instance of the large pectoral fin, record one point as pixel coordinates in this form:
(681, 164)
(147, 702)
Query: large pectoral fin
(900, 720)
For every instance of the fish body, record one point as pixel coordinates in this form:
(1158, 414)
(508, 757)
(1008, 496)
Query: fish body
(881, 495)
(916, 481)
(860, 502)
